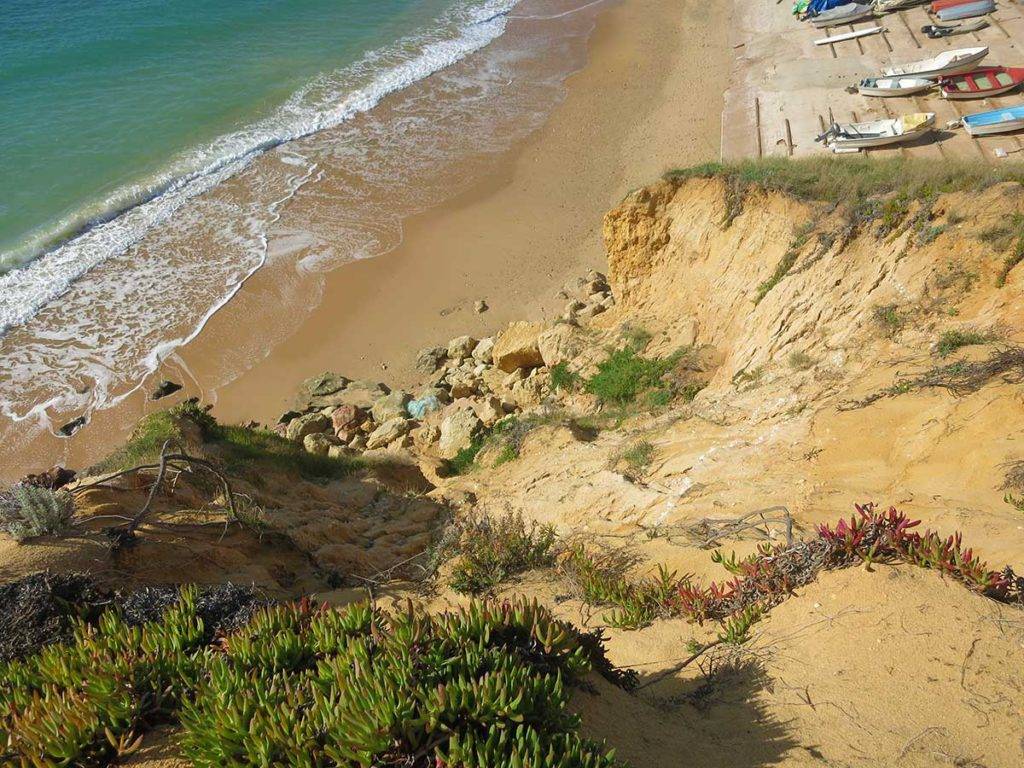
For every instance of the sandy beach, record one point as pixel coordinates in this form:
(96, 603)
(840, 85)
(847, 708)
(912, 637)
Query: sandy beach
(648, 99)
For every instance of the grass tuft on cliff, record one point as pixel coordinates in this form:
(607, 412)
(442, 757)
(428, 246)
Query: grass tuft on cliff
(835, 180)
(239, 448)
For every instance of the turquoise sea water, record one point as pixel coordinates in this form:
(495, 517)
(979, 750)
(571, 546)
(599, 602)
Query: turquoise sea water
(157, 154)
(104, 101)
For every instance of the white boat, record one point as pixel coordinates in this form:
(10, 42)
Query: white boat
(946, 63)
(842, 137)
(994, 121)
(844, 14)
(849, 35)
(893, 86)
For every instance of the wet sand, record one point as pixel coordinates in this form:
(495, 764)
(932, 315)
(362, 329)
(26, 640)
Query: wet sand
(649, 98)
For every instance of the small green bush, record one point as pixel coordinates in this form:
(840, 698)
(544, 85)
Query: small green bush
(800, 361)
(601, 580)
(624, 375)
(563, 379)
(485, 686)
(638, 456)
(489, 551)
(951, 341)
(28, 511)
(889, 318)
(465, 459)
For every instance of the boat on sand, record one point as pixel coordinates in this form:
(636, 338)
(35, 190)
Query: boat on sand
(877, 133)
(981, 83)
(893, 86)
(946, 63)
(994, 121)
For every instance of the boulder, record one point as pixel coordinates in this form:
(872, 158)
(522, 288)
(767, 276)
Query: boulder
(480, 307)
(67, 430)
(516, 347)
(325, 384)
(484, 350)
(319, 443)
(461, 347)
(590, 311)
(346, 418)
(390, 406)
(458, 428)
(164, 388)
(426, 435)
(430, 359)
(288, 416)
(309, 424)
(464, 385)
(361, 394)
(340, 452)
(358, 443)
(559, 343)
(388, 432)
(489, 410)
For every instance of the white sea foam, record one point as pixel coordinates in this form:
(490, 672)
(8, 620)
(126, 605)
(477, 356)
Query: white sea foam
(325, 102)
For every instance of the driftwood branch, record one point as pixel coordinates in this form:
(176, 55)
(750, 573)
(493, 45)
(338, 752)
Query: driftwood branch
(175, 460)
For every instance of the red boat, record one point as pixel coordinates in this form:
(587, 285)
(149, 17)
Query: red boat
(980, 83)
(938, 5)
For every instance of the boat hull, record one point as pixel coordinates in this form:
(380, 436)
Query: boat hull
(870, 88)
(960, 66)
(989, 129)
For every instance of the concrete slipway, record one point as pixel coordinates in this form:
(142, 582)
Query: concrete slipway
(783, 85)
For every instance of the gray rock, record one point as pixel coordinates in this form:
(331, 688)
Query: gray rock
(430, 359)
(164, 388)
(480, 307)
(461, 347)
(390, 406)
(458, 428)
(361, 394)
(319, 443)
(326, 383)
(309, 424)
(484, 350)
(387, 432)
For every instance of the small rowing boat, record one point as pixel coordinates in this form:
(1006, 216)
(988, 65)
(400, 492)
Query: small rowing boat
(981, 83)
(946, 63)
(844, 14)
(893, 86)
(841, 137)
(994, 121)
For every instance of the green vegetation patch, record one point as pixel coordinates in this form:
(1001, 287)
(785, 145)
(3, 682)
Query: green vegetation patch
(834, 180)
(491, 550)
(238, 448)
(624, 375)
(1008, 238)
(951, 341)
(485, 686)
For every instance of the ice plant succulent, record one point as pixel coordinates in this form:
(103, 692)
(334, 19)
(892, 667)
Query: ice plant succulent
(308, 687)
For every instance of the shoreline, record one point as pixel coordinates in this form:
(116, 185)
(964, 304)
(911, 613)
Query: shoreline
(518, 236)
(648, 98)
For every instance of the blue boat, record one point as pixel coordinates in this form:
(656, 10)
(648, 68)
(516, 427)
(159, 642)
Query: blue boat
(994, 121)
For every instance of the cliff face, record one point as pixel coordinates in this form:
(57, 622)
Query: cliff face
(847, 356)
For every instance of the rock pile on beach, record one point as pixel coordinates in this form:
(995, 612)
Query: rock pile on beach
(469, 385)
